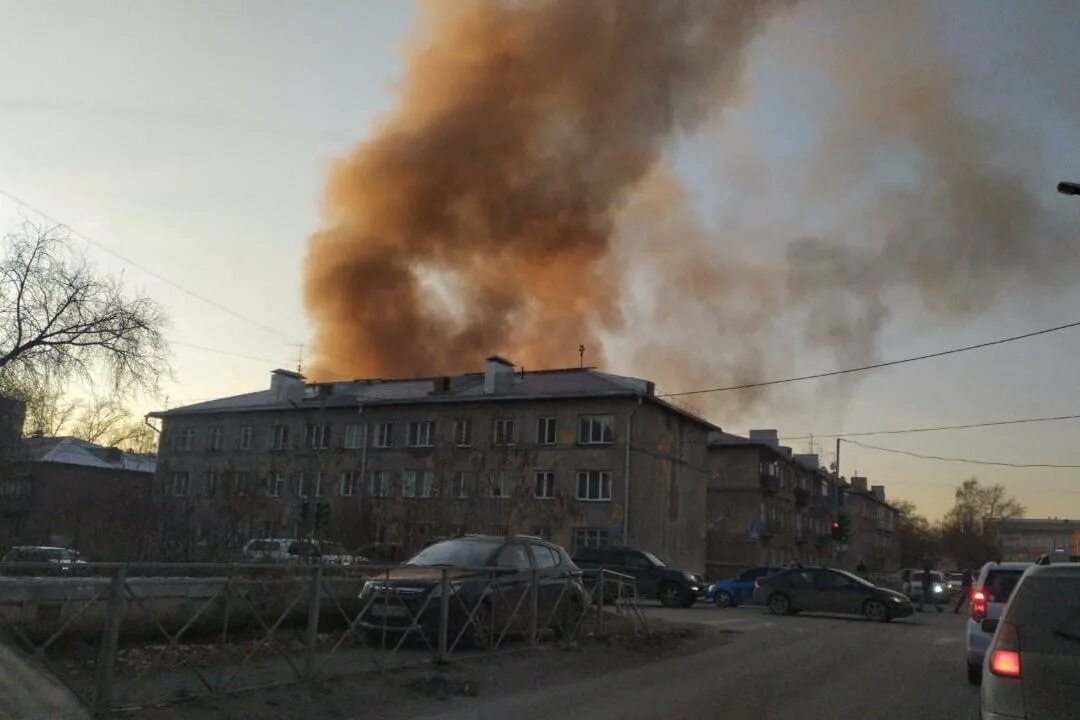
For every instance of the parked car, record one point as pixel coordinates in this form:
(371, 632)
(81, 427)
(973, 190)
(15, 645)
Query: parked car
(738, 589)
(289, 550)
(653, 578)
(989, 593)
(822, 589)
(61, 561)
(384, 553)
(1032, 668)
(915, 589)
(954, 579)
(490, 576)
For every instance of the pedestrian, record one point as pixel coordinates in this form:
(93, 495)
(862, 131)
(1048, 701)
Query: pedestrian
(927, 594)
(905, 583)
(966, 581)
(860, 569)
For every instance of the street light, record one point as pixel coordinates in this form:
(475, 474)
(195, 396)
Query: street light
(1069, 188)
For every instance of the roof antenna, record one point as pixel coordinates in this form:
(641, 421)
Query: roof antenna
(581, 356)
(299, 357)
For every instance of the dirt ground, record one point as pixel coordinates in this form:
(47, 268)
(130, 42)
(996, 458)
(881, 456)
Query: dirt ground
(407, 693)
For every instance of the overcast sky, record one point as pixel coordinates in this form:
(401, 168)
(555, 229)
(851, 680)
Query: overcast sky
(194, 138)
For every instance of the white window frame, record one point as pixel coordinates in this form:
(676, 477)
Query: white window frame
(421, 433)
(355, 435)
(183, 439)
(544, 485)
(181, 480)
(319, 490)
(591, 429)
(459, 484)
(384, 435)
(380, 481)
(463, 432)
(247, 437)
(417, 483)
(241, 481)
(275, 485)
(598, 480)
(500, 479)
(217, 437)
(349, 483)
(301, 481)
(317, 436)
(592, 537)
(504, 432)
(547, 430)
(209, 483)
(280, 439)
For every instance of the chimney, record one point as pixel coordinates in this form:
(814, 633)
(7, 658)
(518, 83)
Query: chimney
(767, 437)
(498, 375)
(878, 491)
(287, 385)
(858, 483)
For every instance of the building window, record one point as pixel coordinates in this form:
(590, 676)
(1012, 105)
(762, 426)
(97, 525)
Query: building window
(504, 431)
(318, 486)
(183, 439)
(209, 483)
(545, 484)
(417, 483)
(318, 436)
(593, 485)
(281, 437)
(545, 431)
(463, 432)
(275, 484)
(348, 483)
(384, 435)
(590, 537)
(247, 437)
(181, 484)
(500, 483)
(16, 524)
(459, 484)
(301, 483)
(241, 481)
(596, 429)
(421, 433)
(355, 434)
(217, 437)
(380, 483)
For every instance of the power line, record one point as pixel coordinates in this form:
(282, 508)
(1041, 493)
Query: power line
(875, 366)
(905, 431)
(219, 351)
(951, 490)
(959, 460)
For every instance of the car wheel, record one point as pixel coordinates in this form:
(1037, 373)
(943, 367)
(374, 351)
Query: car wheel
(779, 604)
(671, 595)
(875, 611)
(974, 674)
(723, 599)
(479, 632)
(568, 621)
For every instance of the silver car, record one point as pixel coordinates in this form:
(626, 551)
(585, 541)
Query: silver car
(989, 593)
(1032, 668)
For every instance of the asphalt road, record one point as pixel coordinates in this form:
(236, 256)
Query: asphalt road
(805, 667)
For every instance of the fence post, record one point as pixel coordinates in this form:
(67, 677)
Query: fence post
(313, 622)
(600, 604)
(114, 611)
(534, 606)
(444, 613)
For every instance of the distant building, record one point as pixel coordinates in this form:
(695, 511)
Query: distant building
(1025, 539)
(580, 456)
(872, 527)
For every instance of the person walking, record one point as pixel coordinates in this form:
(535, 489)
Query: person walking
(927, 594)
(860, 569)
(966, 581)
(905, 583)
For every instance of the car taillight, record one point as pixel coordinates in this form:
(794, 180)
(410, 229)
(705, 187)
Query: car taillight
(1005, 655)
(978, 606)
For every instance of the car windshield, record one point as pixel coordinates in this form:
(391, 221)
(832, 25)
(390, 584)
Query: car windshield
(58, 554)
(458, 553)
(654, 560)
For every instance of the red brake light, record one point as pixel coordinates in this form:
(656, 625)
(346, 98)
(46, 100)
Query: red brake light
(1005, 662)
(978, 606)
(979, 596)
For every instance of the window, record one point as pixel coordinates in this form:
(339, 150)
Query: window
(247, 437)
(318, 436)
(590, 537)
(504, 431)
(421, 433)
(380, 483)
(463, 432)
(384, 435)
(417, 483)
(183, 439)
(275, 484)
(513, 556)
(301, 485)
(318, 487)
(543, 557)
(545, 431)
(355, 435)
(217, 437)
(348, 483)
(459, 484)
(596, 429)
(281, 437)
(209, 481)
(593, 485)
(545, 484)
(241, 481)
(500, 483)
(16, 526)
(181, 484)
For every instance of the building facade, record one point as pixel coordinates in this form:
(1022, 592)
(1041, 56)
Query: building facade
(1026, 539)
(579, 456)
(871, 527)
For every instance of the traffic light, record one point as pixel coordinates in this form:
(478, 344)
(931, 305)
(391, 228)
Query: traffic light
(836, 530)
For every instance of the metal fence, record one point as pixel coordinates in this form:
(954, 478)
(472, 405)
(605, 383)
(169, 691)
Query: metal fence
(124, 636)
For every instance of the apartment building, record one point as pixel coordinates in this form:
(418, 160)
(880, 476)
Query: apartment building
(765, 504)
(576, 455)
(1026, 539)
(872, 527)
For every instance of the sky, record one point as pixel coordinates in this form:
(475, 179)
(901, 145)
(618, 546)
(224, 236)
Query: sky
(194, 139)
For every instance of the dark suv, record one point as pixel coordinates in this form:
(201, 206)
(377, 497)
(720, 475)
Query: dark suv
(654, 579)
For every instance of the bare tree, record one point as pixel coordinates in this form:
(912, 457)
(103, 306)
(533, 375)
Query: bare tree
(49, 410)
(59, 320)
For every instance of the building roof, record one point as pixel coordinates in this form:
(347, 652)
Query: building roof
(73, 451)
(567, 383)
(1033, 523)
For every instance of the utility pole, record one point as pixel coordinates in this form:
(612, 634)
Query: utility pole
(837, 458)
(581, 356)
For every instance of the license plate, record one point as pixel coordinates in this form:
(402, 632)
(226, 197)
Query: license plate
(395, 611)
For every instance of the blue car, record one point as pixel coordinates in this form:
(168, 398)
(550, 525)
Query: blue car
(738, 589)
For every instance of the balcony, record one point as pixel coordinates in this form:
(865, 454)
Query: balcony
(769, 483)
